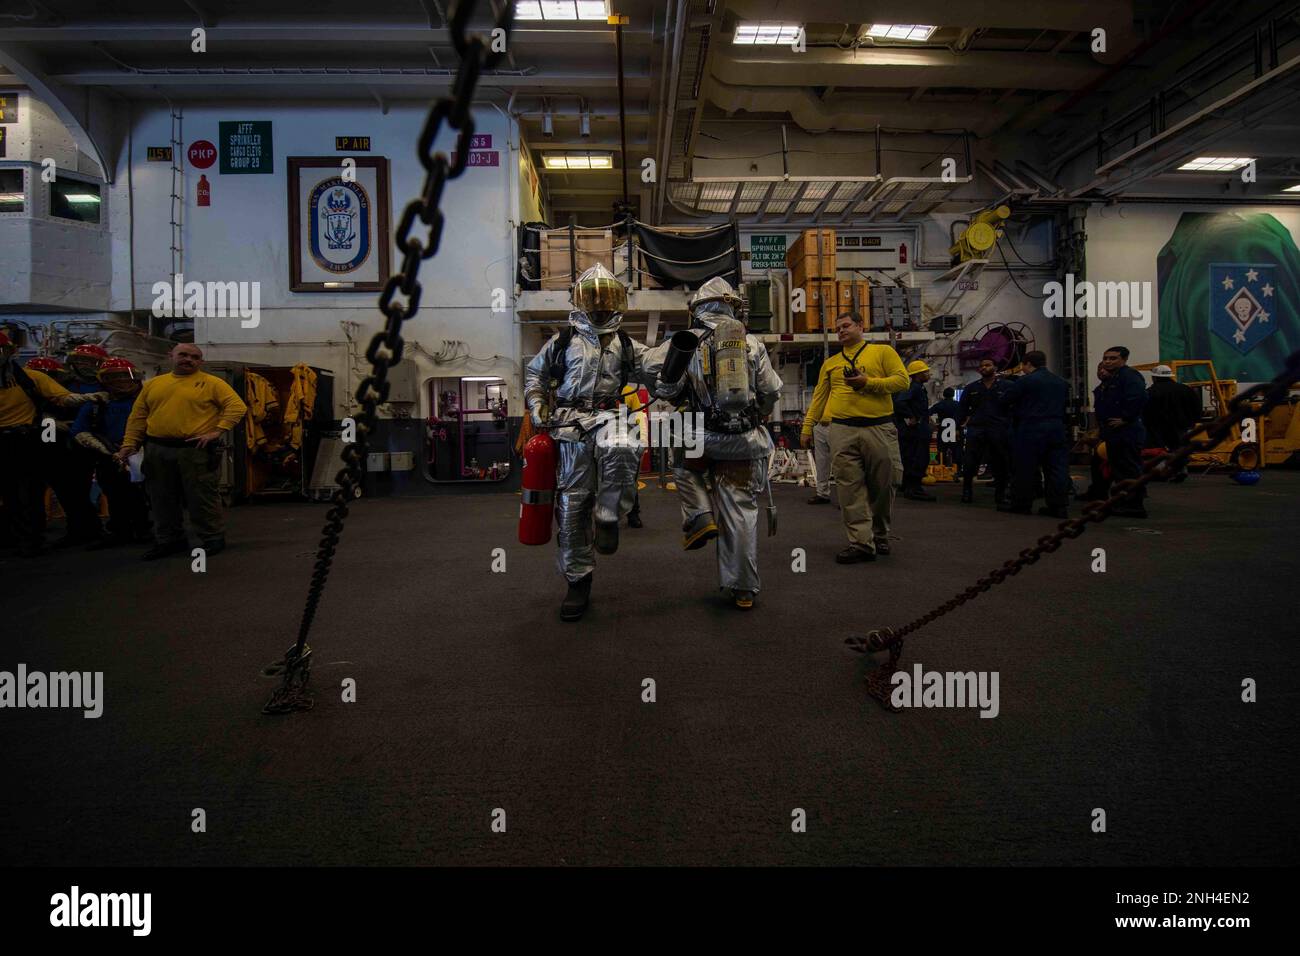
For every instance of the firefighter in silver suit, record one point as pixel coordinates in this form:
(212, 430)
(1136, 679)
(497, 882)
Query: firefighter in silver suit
(574, 386)
(731, 383)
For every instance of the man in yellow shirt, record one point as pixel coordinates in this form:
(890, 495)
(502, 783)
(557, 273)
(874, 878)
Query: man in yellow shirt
(181, 418)
(855, 388)
(23, 395)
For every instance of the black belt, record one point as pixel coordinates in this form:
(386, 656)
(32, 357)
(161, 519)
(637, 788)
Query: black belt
(604, 405)
(863, 422)
(171, 442)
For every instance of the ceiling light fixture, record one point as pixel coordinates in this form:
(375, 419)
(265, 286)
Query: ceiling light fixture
(1292, 189)
(578, 160)
(559, 10)
(1215, 164)
(766, 34)
(910, 32)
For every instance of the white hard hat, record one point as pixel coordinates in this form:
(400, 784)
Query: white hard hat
(1162, 371)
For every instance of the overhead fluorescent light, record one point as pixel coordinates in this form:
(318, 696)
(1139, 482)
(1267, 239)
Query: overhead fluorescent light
(766, 34)
(482, 378)
(80, 197)
(11, 197)
(1215, 164)
(559, 10)
(1292, 189)
(555, 10)
(914, 32)
(578, 160)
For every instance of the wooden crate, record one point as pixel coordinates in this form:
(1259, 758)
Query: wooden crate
(592, 246)
(805, 263)
(844, 292)
(811, 318)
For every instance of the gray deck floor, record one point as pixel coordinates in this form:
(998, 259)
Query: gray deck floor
(1118, 690)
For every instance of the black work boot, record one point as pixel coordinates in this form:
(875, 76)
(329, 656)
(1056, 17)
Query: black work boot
(699, 531)
(162, 550)
(853, 554)
(575, 602)
(606, 537)
(634, 519)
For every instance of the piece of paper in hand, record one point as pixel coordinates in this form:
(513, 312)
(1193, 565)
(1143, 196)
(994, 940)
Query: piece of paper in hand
(133, 462)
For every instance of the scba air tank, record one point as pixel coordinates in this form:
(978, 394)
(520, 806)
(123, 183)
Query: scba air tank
(731, 364)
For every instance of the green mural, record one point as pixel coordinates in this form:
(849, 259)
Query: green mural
(1228, 285)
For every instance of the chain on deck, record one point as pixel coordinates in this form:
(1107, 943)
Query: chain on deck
(1254, 402)
(385, 349)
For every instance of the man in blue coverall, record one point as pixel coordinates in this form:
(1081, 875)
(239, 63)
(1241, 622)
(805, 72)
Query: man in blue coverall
(1118, 402)
(1038, 401)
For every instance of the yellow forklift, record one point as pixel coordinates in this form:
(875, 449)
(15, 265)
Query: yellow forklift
(1277, 434)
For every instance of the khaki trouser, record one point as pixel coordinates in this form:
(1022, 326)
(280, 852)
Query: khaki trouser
(863, 462)
(822, 458)
(184, 479)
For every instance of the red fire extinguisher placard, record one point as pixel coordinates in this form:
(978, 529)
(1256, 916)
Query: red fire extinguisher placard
(205, 192)
(902, 252)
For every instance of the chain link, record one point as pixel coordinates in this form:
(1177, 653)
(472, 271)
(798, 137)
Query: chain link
(1254, 402)
(386, 348)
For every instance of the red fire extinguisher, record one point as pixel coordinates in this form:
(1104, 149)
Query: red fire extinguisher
(537, 504)
(205, 192)
(902, 252)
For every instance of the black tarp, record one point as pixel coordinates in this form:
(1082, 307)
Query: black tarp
(529, 272)
(690, 260)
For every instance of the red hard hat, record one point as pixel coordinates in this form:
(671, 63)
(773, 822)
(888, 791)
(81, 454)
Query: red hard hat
(45, 363)
(94, 351)
(117, 365)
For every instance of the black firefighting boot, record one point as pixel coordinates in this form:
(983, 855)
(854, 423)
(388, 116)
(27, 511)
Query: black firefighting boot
(575, 602)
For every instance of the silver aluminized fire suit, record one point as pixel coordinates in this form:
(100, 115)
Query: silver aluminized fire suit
(725, 483)
(598, 462)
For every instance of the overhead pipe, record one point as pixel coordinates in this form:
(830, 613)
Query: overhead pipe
(855, 113)
(622, 114)
(669, 114)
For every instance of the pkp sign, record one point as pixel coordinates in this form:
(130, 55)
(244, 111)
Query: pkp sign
(202, 154)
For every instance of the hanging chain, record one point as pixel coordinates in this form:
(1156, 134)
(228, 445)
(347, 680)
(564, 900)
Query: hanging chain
(385, 348)
(1254, 402)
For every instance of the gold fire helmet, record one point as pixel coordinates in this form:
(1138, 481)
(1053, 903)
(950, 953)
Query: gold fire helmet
(598, 293)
